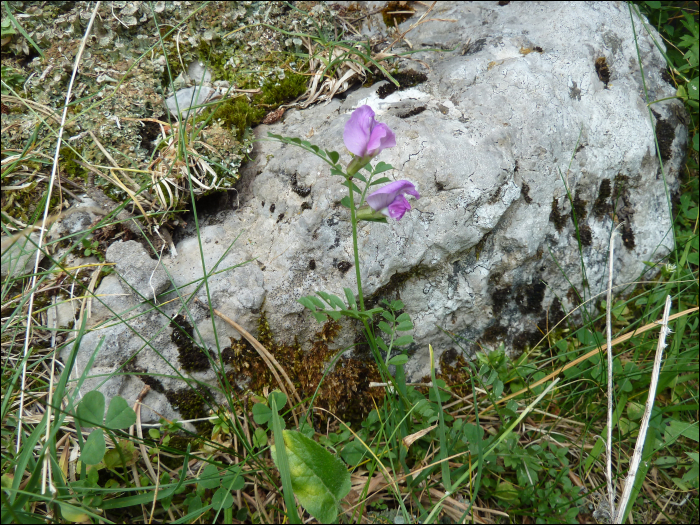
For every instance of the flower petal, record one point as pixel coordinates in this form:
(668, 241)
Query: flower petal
(381, 137)
(358, 129)
(398, 207)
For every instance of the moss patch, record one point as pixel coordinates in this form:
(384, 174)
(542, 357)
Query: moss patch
(405, 79)
(193, 403)
(556, 217)
(344, 391)
(192, 357)
(601, 207)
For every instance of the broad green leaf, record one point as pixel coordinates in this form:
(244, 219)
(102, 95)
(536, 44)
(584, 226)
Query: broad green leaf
(280, 399)
(209, 479)
(222, 499)
(94, 448)
(680, 428)
(345, 202)
(233, 480)
(261, 413)
(73, 514)
(353, 453)
(361, 177)
(403, 327)
(260, 436)
(91, 409)
(119, 414)
(319, 479)
(401, 359)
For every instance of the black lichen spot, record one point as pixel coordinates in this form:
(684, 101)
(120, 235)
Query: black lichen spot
(603, 71)
(143, 375)
(529, 297)
(272, 208)
(503, 2)
(500, 298)
(494, 198)
(556, 216)
(343, 266)
(312, 264)
(494, 334)
(538, 49)
(665, 134)
(628, 236)
(667, 77)
(526, 339)
(192, 357)
(601, 207)
(280, 217)
(299, 190)
(624, 210)
(585, 234)
(305, 206)
(579, 207)
(413, 112)
(525, 190)
(440, 186)
(406, 79)
(263, 204)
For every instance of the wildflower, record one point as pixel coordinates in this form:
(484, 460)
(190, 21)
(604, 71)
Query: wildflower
(391, 201)
(365, 137)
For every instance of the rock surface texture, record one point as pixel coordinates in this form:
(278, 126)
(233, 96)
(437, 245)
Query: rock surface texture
(513, 127)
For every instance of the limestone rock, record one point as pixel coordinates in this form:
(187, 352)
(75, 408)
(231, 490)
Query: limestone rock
(512, 133)
(143, 276)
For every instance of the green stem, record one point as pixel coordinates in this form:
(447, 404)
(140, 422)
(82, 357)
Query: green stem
(353, 219)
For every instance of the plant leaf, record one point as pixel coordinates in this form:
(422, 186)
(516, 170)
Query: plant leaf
(319, 479)
(119, 414)
(94, 448)
(91, 409)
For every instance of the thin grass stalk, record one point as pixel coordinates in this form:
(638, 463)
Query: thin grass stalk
(43, 230)
(644, 426)
(608, 334)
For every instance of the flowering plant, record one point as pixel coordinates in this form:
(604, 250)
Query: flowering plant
(365, 138)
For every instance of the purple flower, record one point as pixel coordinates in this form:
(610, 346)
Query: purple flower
(364, 136)
(390, 199)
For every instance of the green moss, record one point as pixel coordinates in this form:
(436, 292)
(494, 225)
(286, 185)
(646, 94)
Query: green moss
(193, 404)
(239, 113)
(345, 389)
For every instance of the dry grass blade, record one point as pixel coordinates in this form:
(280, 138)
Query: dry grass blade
(37, 258)
(644, 426)
(269, 359)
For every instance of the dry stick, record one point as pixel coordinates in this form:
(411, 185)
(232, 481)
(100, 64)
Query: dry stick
(134, 470)
(36, 267)
(590, 354)
(269, 359)
(639, 447)
(608, 332)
